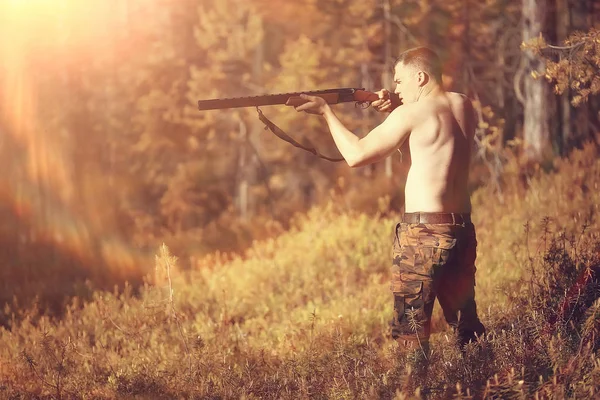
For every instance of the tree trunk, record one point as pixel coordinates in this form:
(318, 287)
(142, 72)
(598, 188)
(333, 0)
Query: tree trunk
(562, 31)
(248, 161)
(387, 78)
(242, 194)
(580, 21)
(365, 121)
(535, 129)
(466, 49)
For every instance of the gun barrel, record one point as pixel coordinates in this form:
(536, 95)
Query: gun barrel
(343, 95)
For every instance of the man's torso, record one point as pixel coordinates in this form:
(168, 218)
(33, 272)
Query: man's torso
(440, 146)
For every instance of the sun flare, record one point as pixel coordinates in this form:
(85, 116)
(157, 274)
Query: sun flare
(43, 41)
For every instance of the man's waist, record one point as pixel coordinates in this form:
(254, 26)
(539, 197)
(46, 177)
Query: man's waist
(436, 218)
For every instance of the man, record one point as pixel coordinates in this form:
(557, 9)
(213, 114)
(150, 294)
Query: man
(435, 245)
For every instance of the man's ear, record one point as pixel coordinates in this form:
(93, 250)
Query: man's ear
(423, 78)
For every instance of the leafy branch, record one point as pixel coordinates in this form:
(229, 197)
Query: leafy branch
(573, 66)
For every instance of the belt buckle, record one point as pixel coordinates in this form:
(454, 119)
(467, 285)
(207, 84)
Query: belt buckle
(453, 219)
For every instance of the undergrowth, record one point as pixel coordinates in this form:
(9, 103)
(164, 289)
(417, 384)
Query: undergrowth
(305, 315)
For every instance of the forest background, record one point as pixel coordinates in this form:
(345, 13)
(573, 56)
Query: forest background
(105, 156)
(280, 284)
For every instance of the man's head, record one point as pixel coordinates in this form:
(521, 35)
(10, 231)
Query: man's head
(414, 70)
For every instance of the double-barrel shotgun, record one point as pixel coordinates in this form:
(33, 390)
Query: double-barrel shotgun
(359, 96)
(331, 96)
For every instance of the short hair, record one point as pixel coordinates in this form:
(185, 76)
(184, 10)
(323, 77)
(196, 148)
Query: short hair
(423, 58)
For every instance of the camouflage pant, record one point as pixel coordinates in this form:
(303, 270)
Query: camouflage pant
(429, 261)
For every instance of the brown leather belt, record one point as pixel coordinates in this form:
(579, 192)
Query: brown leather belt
(436, 218)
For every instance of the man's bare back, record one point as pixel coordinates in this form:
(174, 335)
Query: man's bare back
(440, 144)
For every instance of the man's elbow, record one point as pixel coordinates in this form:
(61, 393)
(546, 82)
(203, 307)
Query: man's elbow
(351, 162)
(356, 161)
(359, 157)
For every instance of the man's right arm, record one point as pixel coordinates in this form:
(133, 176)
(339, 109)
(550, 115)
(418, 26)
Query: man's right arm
(377, 144)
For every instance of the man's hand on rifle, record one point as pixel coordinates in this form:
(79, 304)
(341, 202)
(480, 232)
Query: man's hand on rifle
(387, 101)
(317, 105)
(314, 105)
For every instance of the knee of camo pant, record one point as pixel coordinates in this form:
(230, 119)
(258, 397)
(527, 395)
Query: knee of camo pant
(410, 312)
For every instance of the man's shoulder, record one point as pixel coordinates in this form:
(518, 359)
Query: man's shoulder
(405, 110)
(460, 101)
(459, 96)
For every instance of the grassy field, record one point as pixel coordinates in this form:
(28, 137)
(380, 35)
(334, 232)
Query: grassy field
(305, 315)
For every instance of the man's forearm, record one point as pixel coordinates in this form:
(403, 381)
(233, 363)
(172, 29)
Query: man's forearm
(346, 142)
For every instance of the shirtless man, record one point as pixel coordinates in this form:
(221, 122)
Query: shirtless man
(435, 244)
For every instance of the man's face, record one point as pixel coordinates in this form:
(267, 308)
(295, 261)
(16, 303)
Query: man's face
(407, 83)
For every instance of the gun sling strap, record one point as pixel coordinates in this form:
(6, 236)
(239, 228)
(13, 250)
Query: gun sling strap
(284, 136)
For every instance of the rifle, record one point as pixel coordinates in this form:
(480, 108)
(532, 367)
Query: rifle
(362, 98)
(331, 96)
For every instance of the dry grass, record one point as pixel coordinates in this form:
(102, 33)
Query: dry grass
(305, 315)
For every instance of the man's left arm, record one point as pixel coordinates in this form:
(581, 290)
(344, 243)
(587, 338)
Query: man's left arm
(375, 146)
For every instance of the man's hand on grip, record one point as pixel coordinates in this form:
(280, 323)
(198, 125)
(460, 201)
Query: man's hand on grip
(387, 101)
